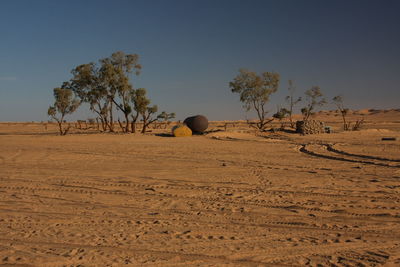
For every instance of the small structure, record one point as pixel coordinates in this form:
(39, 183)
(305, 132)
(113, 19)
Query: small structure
(198, 124)
(310, 127)
(181, 131)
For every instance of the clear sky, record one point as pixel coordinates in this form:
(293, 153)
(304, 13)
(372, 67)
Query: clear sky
(190, 50)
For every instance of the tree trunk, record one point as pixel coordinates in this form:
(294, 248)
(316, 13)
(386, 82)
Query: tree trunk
(290, 115)
(126, 122)
(105, 122)
(60, 122)
(144, 125)
(111, 123)
(60, 127)
(345, 126)
(121, 126)
(133, 124)
(67, 129)
(133, 127)
(97, 124)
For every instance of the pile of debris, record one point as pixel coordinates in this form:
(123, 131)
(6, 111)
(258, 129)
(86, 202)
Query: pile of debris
(310, 127)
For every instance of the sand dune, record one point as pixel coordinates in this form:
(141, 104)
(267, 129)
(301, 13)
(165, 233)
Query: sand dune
(228, 198)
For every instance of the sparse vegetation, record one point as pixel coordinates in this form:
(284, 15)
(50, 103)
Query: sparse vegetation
(115, 71)
(65, 103)
(338, 101)
(292, 101)
(106, 86)
(255, 91)
(166, 117)
(347, 126)
(87, 85)
(314, 99)
(281, 114)
(357, 125)
(143, 108)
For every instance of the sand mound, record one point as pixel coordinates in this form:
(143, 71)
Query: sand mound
(362, 112)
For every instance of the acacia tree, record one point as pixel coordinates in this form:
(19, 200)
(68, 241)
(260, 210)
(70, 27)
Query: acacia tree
(166, 117)
(292, 101)
(338, 101)
(65, 103)
(255, 91)
(313, 100)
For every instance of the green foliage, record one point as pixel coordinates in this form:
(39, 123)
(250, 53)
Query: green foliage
(143, 108)
(313, 100)
(106, 84)
(140, 100)
(65, 103)
(281, 114)
(255, 91)
(89, 87)
(164, 116)
(115, 72)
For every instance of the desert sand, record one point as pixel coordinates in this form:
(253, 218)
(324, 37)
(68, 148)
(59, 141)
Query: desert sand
(226, 198)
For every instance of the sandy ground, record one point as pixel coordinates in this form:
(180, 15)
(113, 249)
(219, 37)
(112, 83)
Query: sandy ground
(228, 198)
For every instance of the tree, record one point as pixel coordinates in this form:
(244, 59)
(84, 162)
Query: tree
(65, 103)
(138, 97)
(338, 101)
(281, 114)
(89, 87)
(115, 72)
(255, 91)
(142, 108)
(107, 84)
(147, 117)
(166, 117)
(292, 102)
(313, 100)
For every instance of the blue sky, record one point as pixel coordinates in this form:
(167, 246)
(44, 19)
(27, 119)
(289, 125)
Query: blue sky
(190, 50)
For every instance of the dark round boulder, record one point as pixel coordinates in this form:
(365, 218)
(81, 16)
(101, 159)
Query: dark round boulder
(198, 123)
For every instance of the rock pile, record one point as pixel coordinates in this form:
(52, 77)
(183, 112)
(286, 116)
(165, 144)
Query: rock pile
(310, 127)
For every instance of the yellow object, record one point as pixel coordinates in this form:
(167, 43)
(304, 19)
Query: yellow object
(181, 131)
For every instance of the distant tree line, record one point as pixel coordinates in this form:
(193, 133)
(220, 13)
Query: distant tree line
(255, 91)
(106, 87)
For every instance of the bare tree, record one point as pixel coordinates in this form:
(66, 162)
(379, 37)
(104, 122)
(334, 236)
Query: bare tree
(338, 101)
(292, 101)
(255, 91)
(313, 100)
(65, 103)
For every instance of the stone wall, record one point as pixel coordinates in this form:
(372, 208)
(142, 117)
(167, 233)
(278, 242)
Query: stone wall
(310, 127)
